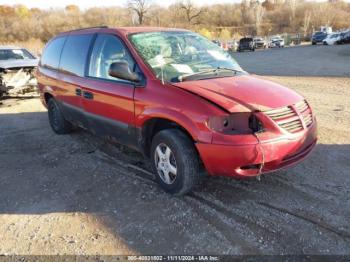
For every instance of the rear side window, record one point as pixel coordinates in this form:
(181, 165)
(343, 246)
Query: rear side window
(74, 54)
(52, 53)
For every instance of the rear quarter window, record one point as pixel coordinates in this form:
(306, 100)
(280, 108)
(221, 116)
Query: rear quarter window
(74, 54)
(52, 53)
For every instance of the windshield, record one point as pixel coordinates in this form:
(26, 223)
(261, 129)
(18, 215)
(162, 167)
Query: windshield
(334, 36)
(175, 54)
(9, 54)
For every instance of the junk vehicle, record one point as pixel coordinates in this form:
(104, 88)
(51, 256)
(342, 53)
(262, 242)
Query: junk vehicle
(318, 37)
(259, 42)
(276, 41)
(178, 98)
(332, 39)
(17, 68)
(246, 43)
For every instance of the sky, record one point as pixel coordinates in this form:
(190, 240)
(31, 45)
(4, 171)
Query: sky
(45, 4)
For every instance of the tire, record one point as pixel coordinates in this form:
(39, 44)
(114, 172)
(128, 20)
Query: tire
(57, 122)
(313, 43)
(182, 156)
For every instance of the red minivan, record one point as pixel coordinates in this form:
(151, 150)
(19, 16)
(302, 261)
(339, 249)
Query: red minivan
(176, 97)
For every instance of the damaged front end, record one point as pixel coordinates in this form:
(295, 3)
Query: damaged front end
(17, 80)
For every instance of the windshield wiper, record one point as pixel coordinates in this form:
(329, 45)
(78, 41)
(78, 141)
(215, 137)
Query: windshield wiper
(230, 69)
(214, 70)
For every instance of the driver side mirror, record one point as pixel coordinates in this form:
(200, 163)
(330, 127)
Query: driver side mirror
(121, 70)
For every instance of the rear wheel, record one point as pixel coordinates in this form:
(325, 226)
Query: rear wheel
(175, 161)
(57, 122)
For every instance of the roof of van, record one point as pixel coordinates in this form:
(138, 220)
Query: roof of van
(147, 29)
(124, 30)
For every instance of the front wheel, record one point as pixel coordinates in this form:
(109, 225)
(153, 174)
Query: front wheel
(175, 161)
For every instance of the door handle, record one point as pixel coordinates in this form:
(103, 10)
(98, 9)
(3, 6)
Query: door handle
(78, 92)
(88, 95)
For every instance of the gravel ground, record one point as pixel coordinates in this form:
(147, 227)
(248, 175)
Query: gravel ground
(308, 60)
(78, 194)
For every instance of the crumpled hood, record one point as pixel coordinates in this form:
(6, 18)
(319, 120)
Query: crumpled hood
(242, 93)
(15, 63)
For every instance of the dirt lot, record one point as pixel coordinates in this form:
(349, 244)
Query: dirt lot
(78, 194)
(307, 60)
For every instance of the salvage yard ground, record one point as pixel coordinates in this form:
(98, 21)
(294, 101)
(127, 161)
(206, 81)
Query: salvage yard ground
(78, 194)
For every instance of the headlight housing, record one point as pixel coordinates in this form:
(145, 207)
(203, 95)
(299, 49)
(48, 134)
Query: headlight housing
(236, 123)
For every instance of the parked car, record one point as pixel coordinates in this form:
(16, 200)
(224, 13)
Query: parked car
(259, 43)
(232, 45)
(344, 38)
(17, 66)
(176, 97)
(246, 43)
(332, 39)
(276, 42)
(318, 37)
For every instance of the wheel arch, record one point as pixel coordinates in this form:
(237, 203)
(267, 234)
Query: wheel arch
(47, 97)
(150, 125)
(154, 125)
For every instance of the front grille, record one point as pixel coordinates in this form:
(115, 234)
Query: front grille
(281, 113)
(291, 118)
(308, 120)
(292, 126)
(301, 106)
(305, 112)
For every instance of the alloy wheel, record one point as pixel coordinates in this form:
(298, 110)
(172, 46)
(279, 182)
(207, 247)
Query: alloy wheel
(165, 163)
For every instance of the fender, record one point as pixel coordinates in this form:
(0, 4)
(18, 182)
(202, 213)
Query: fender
(198, 130)
(47, 79)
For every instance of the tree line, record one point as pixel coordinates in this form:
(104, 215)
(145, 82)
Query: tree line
(219, 21)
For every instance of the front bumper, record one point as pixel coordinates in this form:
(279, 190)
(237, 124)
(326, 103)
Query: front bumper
(245, 160)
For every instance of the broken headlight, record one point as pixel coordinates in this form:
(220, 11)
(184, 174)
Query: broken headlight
(236, 123)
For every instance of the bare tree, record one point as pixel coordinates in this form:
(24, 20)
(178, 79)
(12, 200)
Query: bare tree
(306, 22)
(246, 12)
(324, 15)
(18, 23)
(292, 4)
(258, 14)
(191, 11)
(140, 7)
